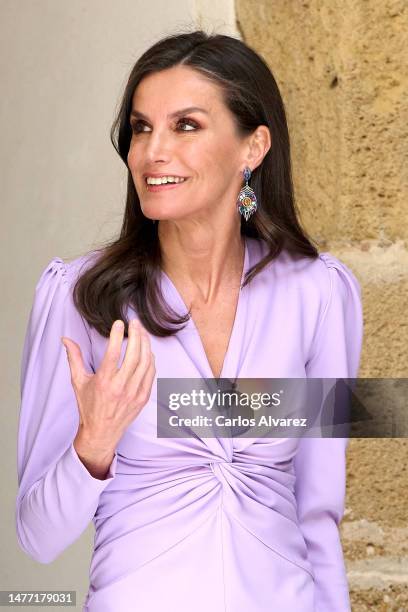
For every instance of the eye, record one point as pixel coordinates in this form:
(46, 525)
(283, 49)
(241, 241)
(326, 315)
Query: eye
(138, 126)
(190, 123)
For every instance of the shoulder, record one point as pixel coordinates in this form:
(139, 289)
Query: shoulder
(64, 273)
(53, 314)
(53, 306)
(325, 273)
(54, 291)
(315, 279)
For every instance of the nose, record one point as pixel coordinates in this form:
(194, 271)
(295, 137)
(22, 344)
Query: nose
(158, 147)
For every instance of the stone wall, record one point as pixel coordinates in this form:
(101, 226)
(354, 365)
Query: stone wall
(342, 68)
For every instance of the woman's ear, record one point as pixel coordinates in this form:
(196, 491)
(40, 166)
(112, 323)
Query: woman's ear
(259, 144)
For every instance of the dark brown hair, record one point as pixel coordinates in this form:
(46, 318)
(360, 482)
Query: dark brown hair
(126, 271)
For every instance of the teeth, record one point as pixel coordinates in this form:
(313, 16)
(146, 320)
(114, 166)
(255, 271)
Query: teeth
(163, 180)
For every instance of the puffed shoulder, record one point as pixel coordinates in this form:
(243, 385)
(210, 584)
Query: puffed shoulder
(66, 273)
(55, 271)
(341, 283)
(54, 315)
(321, 280)
(336, 348)
(331, 261)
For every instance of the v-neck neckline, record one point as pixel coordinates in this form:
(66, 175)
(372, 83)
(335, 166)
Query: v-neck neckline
(229, 366)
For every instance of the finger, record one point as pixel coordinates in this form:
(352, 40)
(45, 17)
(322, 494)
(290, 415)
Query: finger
(142, 394)
(143, 390)
(133, 351)
(146, 359)
(110, 360)
(144, 355)
(148, 378)
(75, 360)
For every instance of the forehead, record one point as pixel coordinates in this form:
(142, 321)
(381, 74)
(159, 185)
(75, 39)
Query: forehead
(175, 88)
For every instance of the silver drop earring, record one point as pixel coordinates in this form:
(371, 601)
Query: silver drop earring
(246, 201)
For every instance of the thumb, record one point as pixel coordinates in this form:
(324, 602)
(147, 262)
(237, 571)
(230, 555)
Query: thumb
(75, 360)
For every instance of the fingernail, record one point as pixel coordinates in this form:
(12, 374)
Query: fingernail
(118, 324)
(66, 348)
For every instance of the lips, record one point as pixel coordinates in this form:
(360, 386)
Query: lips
(181, 179)
(164, 186)
(153, 175)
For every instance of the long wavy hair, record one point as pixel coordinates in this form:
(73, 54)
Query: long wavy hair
(126, 271)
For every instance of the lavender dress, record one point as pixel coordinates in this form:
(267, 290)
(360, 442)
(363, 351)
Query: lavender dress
(203, 524)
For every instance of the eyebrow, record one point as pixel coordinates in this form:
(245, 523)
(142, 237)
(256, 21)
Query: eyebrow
(183, 111)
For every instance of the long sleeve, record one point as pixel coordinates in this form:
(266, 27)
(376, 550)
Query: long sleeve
(320, 463)
(57, 496)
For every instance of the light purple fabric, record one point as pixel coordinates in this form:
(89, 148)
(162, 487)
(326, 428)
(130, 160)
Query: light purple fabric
(220, 525)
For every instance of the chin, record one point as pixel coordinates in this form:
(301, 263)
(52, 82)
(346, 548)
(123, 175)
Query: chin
(161, 213)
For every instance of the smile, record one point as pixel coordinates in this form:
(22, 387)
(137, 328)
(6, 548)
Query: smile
(159, 186)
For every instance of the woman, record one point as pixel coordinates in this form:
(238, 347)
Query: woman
(222, 282)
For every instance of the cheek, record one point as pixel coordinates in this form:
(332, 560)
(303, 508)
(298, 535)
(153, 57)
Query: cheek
(222, 164)
(209, 161)
(131, 158)
(136, 152)
(223, 152)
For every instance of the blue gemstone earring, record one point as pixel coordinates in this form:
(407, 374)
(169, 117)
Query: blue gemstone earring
(247, 202)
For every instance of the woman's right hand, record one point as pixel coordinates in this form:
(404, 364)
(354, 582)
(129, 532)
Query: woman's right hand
(109, 400)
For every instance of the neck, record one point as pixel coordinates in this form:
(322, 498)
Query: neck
(205, 264)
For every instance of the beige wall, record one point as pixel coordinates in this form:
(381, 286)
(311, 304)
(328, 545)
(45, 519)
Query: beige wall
(342, 69)
(63, 66)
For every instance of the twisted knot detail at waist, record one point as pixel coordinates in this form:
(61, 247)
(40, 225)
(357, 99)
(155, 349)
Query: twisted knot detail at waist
(217, 468)
(254, 498)
(252, 487)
